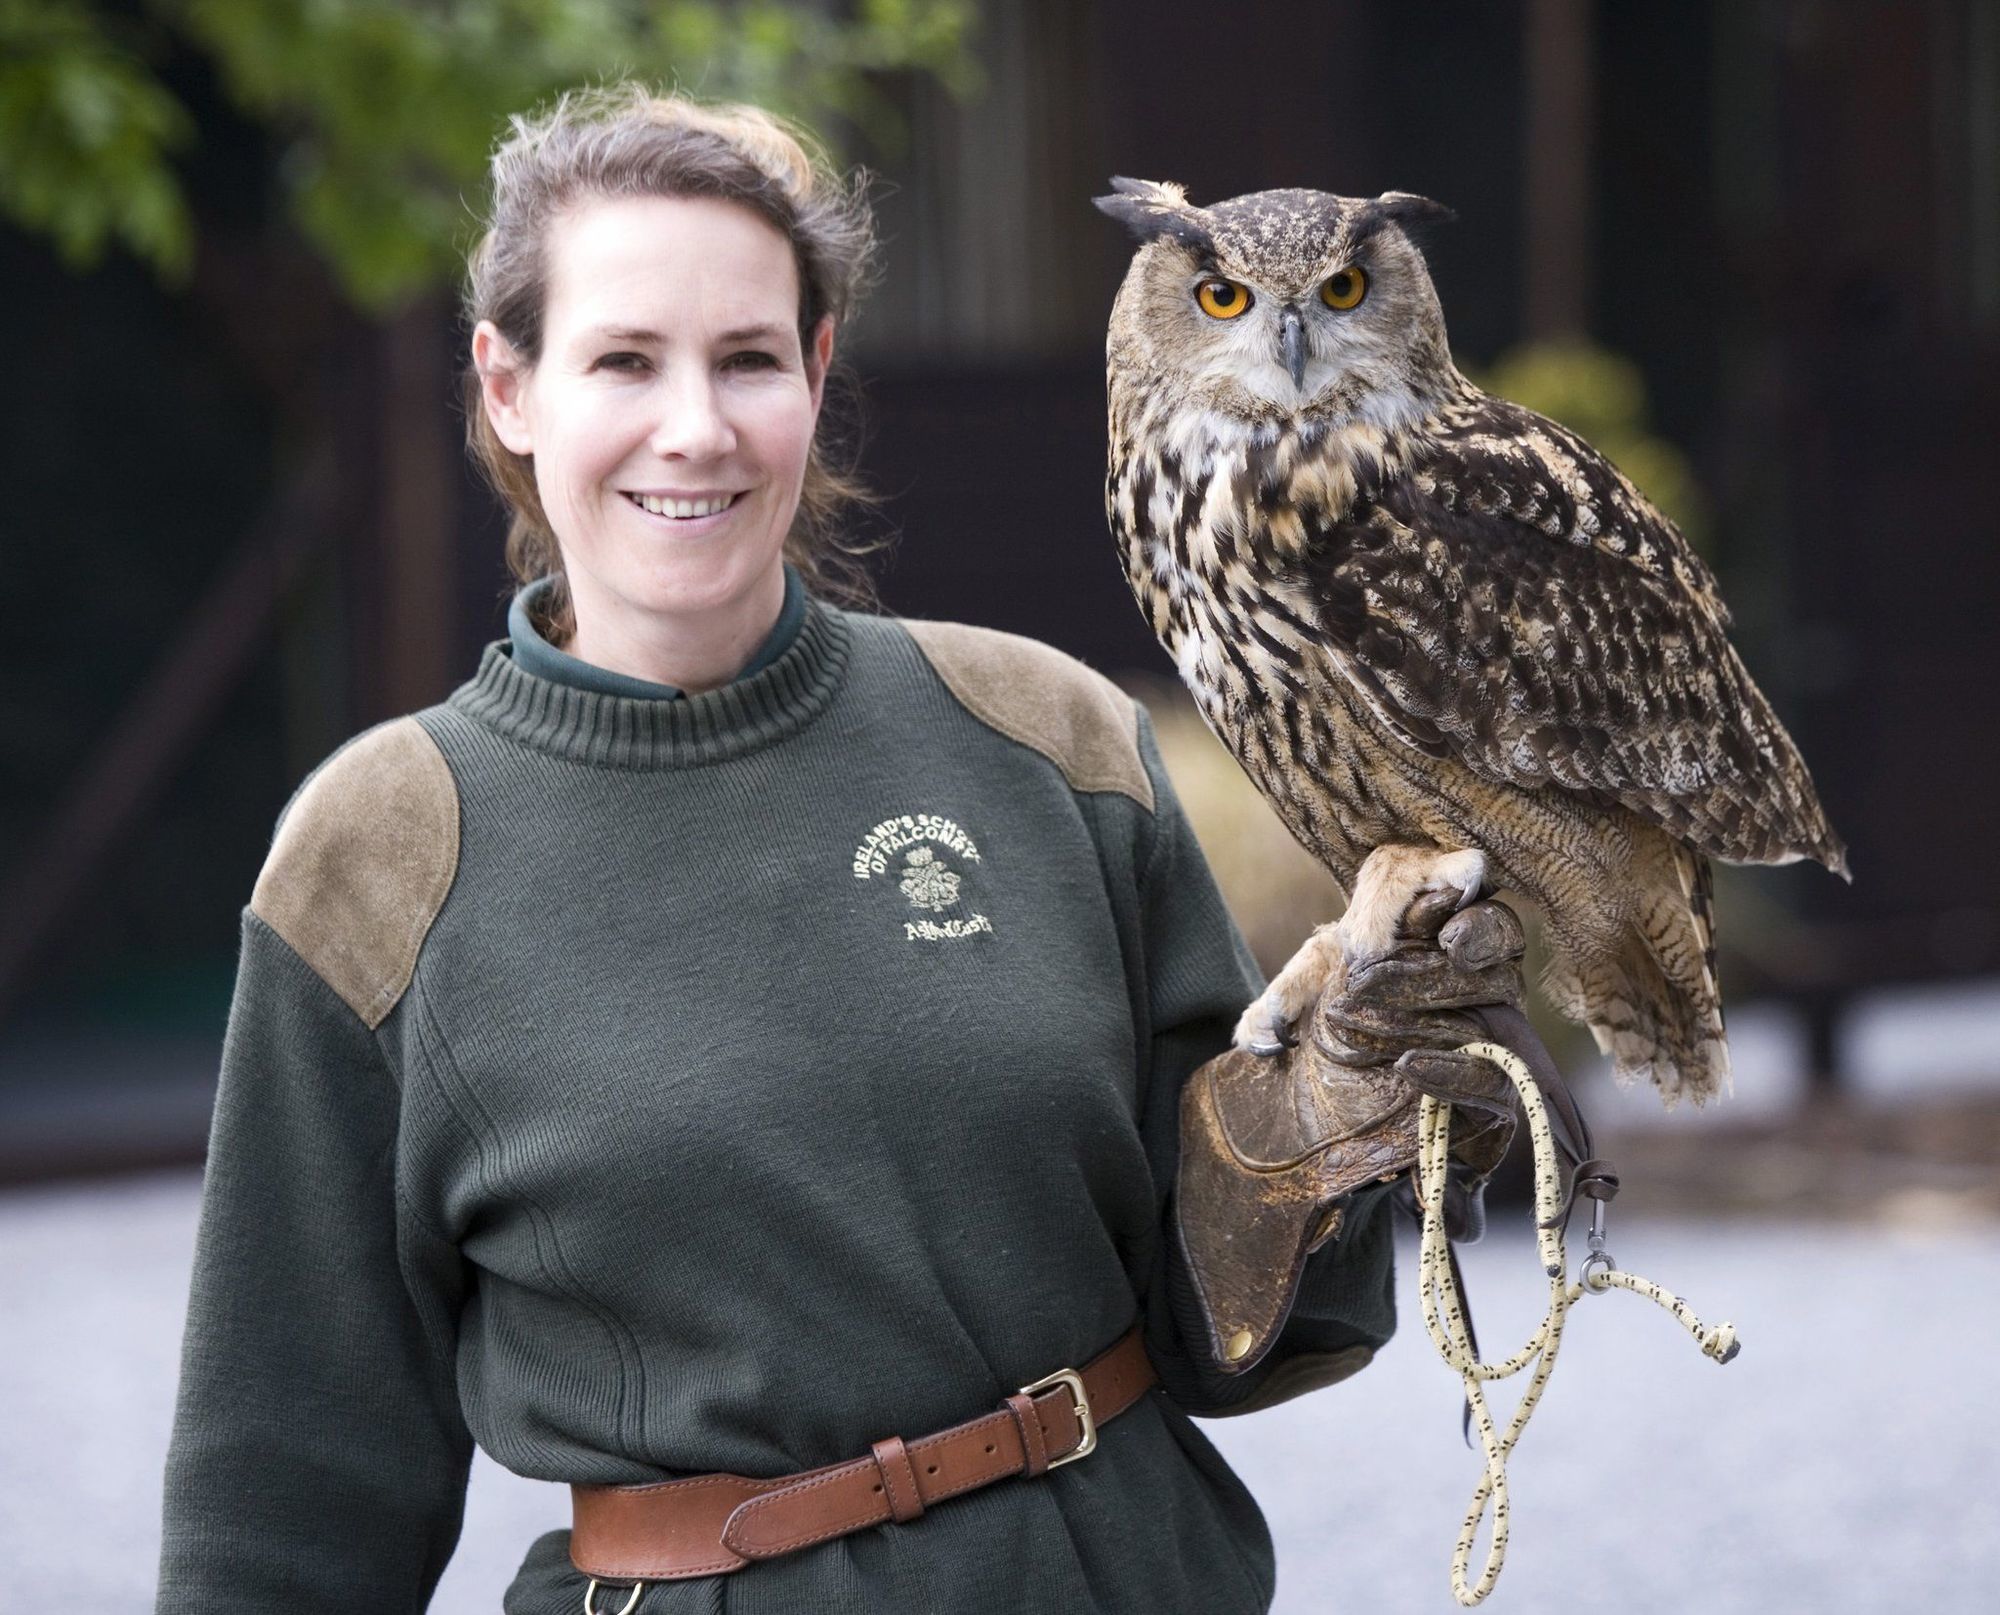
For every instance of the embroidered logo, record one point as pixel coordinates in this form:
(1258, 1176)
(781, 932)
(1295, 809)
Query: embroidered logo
(926, 882)
(911, 849)
(931, 931)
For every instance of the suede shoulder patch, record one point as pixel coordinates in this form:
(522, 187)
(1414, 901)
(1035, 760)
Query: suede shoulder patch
(1034, 694)
(361, 863)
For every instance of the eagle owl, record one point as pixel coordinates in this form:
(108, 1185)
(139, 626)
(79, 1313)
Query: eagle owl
(1432, 622)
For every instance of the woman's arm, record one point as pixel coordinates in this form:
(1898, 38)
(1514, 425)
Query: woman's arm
(319, 1458)
(1198, 976)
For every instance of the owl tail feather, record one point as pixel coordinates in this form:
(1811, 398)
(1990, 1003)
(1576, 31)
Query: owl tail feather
(1647, 1027)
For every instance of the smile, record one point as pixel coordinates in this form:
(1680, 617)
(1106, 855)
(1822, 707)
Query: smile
(683, 509)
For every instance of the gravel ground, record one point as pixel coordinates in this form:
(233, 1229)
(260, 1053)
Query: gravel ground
(1848, 1460)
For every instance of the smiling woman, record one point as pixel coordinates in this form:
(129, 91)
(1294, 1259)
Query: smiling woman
(669, 422)
(653, 309)
(729, 1029)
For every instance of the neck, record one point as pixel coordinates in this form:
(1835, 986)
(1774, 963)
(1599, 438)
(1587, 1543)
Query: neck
(695, 652)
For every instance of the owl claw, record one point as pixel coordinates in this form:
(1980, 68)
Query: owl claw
(1263, 1030)
(1394, 877)
(1267, 1041)
(1272, 1041)
(1268, 1026)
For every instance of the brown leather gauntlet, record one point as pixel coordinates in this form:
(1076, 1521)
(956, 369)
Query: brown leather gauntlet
(1272, 1146)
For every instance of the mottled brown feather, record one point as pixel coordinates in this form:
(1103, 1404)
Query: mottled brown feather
(1509, 559)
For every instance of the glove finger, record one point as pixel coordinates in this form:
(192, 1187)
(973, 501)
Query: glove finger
(1481, 936)
(1427, 978)
(1366, 1034)
(1480, 1147)
(1464, 1204)
(1458, 1079)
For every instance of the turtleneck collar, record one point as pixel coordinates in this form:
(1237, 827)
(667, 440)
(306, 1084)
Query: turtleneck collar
(775, 696)
(536, 655)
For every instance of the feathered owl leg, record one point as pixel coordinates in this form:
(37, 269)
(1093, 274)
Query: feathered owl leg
(1390, 880)
(1633, 957)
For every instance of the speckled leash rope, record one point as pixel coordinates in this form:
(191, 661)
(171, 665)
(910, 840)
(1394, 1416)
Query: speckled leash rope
(1445, 1318)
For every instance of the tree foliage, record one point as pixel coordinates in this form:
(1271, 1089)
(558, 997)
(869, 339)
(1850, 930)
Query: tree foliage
(384, 111)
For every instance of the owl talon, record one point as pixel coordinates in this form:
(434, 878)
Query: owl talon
(1272, 1043)
(1268, 1026)
(1264, 1031)
(1391, 879)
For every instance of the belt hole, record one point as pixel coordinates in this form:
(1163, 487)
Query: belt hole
(989, 1446)
(878, 1486)
(932, 1470)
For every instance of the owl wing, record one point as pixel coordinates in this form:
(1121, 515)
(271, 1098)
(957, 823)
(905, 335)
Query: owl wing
(1510, 600)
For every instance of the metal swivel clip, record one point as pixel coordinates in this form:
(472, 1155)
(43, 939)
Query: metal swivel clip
(1600, 1261)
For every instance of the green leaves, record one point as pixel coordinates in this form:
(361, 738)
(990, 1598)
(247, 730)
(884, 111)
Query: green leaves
(85, 136)
(384, 111)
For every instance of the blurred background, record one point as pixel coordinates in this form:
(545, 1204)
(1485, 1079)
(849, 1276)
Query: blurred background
(1751, 248)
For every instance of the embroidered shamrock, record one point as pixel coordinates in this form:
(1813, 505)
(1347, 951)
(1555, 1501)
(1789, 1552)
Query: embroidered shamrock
(926, 882)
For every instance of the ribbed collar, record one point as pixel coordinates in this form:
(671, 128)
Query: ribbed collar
(535, 654)
(622, 731)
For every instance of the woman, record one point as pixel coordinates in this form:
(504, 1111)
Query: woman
(731, 1028)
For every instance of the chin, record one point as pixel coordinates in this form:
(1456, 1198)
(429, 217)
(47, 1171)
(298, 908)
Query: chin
(694, 584)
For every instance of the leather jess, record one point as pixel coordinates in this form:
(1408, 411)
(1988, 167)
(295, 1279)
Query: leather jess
(710, 1525)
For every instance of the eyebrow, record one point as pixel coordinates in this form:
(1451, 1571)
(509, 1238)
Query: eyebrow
(633, 333)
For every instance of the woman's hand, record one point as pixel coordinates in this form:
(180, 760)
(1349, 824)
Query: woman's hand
(1401, 893)
(1411, 1009)
(1273, 1146)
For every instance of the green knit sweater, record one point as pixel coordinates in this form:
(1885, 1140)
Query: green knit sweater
(648, 1087)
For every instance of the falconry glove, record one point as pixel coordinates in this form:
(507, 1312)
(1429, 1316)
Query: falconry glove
(1273, 1146)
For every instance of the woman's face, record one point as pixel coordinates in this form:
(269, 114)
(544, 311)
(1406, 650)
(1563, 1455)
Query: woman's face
(672, 409)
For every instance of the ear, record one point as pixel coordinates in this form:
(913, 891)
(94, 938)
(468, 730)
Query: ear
(1149, 209)
(819, 358)
(1407, 208)
(502, 378)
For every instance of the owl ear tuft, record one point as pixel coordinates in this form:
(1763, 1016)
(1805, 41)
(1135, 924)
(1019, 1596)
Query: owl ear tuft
(1153, 208)
(1407, 208)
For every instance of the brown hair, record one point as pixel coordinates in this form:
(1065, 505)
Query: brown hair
(625, 140)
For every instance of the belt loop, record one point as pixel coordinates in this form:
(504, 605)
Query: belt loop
(1032, 1442)
(899, 1479)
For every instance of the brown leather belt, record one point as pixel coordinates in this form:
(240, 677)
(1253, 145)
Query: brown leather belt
(708, 1525)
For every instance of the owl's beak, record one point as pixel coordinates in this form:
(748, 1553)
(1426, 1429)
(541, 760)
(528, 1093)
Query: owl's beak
(1292, 344)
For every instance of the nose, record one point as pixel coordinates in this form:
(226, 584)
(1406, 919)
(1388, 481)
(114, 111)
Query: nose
(692, 424)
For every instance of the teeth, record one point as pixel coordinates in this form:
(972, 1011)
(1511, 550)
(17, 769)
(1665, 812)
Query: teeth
(683, 509)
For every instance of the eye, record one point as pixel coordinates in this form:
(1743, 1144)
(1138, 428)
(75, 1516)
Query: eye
(1222, 299)
(751, 359)
(618, 361)
(1344, 289)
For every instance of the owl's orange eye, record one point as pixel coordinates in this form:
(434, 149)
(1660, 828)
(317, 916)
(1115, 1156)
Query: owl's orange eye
(1343, 290)
(1222, 299)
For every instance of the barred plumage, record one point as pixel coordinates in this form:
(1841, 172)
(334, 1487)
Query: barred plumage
(1423, 616)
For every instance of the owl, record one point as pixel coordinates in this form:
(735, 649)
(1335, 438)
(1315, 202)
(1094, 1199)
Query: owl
(1433, 626)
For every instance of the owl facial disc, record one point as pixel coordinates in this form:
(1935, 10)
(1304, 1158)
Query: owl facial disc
(1280, 305)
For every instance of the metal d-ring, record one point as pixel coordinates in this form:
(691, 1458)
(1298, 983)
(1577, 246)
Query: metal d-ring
(590, 1597)
(1598, 1261)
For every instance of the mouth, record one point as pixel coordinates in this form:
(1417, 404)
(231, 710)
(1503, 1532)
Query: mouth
(682, 510)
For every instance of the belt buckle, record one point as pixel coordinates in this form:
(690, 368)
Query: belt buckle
(1072, 1381)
